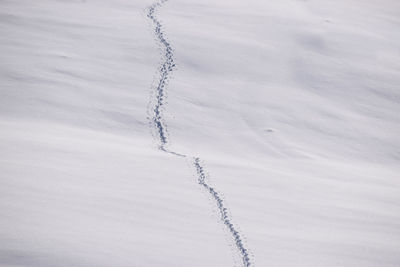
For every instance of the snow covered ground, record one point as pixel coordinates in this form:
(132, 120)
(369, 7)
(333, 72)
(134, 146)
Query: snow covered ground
(292, 105)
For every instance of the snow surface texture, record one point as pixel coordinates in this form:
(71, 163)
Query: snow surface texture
(293, 105)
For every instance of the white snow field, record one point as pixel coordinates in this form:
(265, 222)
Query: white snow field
(292, 106)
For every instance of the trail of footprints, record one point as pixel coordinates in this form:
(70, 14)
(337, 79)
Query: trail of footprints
(158, 125)
(166, 68)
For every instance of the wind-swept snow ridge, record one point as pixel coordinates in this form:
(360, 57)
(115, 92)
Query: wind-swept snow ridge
(158, 122)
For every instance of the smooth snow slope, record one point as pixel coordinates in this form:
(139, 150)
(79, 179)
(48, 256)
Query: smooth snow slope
(292, 105)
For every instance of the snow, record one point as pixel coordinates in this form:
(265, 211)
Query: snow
(291, 105)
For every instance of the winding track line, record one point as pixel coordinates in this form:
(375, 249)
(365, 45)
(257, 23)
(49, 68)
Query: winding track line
(223, 212)
(166, 68)
(158, 123)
